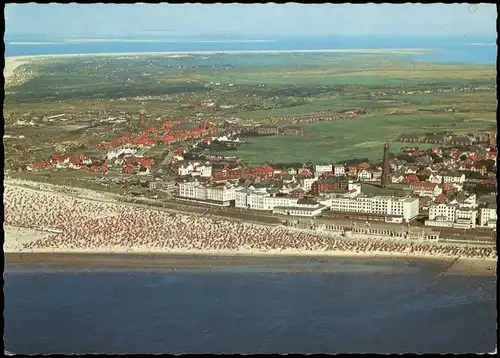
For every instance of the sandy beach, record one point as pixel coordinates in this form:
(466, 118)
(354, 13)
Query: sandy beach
(15, 237)
(86, 222)
(11, 63)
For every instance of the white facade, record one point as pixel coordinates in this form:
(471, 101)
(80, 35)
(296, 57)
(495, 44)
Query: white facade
(470, 202)
(204, 170)
(397, 178)
(250, 198)
(454, 179)
(339, 170)
(451, 215)
(467, 214)
(436, 179)
(272, 201)
(116, 152)
(448, 212)
(195, 169)
(488, 217)
(427, 190)
(439, 222)
(193, 190)
(185, 169)
(320, 169)
(364, 174)
(222, 193)
(306, 183)
(408, 208)
(299, 210)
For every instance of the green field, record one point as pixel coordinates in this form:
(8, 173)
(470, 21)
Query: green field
(362, 137)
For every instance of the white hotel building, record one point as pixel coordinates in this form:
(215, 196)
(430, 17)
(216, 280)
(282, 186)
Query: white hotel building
(452, 215)
(406, 208)
(488, 216)
(220, 195)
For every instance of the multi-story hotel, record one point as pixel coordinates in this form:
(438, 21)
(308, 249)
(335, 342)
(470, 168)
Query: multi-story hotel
(406, 208)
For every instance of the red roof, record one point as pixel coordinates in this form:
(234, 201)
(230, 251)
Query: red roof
(128, 169)
(364, 165)
(448, 187)
(147, 163)
(412, 177)
(423, 185)
(441, 197)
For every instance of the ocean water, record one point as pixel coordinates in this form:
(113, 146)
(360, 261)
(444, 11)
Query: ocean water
(325, 306)
(463, 49)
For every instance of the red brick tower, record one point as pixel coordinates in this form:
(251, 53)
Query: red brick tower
(386, 167)
(493, 139)
(24, 156)
(142, 118)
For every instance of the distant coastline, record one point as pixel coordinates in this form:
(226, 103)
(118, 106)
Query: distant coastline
(12, 62)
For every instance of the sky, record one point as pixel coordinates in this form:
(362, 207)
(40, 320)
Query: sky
(260, 20)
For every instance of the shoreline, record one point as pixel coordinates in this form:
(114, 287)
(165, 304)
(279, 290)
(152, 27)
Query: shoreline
(177, 260)
(460, 266)
(409, 51)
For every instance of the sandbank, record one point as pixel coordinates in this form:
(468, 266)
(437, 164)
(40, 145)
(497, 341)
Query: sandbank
(412, 51)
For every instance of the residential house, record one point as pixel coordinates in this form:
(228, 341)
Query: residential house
(453, 178)
(185, 169)
(435, 178)
(339, 170)
(319, 170)
(426, 189)
(397, 178)
(365, 174)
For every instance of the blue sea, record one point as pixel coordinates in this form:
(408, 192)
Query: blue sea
(457, 49)
(293, 306)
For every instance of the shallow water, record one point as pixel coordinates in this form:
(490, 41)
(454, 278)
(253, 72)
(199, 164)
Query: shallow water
(280, 306)
(460, 49)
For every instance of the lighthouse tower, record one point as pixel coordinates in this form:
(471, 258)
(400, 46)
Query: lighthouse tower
(142, 118)
(493, 140)
(386, 167)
